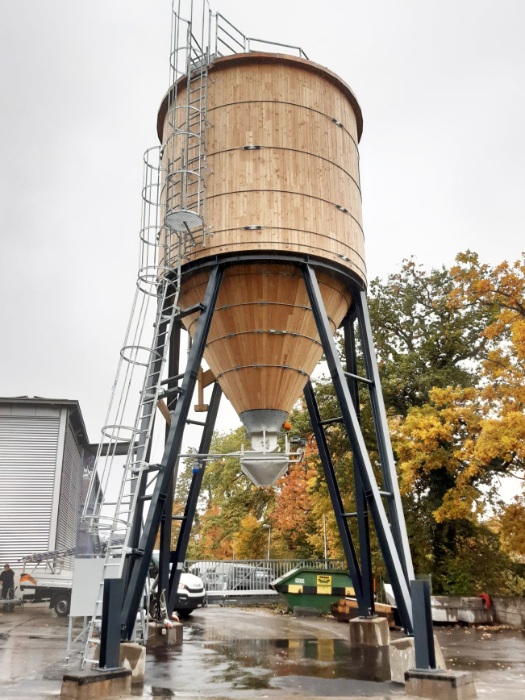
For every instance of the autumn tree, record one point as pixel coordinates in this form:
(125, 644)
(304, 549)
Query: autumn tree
(512, 527)
(501, 289)
(454, 447)
(227, 496)
(250, 540)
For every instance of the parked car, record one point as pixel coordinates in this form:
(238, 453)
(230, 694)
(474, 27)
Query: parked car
(190, 593)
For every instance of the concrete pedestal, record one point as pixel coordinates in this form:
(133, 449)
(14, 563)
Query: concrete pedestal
(159, 636)
(133, 657)
(403, 657)
(369, 632)
(89, 685)
(440, 685)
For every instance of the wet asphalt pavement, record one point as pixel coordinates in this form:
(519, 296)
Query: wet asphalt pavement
(232, 653)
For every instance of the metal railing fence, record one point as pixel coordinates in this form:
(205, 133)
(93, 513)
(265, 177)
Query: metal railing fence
(246, 575)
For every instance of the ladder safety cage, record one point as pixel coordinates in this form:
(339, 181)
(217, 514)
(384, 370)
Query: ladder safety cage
(116, 493)
(184, 152)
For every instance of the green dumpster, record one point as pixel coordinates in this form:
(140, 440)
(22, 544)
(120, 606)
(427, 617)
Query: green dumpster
(313, 588)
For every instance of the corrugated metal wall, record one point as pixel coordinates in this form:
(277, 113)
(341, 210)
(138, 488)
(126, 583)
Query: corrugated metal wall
(70, 489)
(28, 454)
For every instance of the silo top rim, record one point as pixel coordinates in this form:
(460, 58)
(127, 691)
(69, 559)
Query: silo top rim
(263, 57)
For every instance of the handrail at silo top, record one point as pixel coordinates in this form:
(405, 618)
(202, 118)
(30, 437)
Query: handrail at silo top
(242, 41)
(249, 39)
(219, 28)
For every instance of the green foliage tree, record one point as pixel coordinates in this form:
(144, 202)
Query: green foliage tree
(421, 340)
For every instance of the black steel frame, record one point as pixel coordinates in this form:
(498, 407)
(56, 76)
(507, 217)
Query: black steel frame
(392, 535)
(391, 530)
(140, 559)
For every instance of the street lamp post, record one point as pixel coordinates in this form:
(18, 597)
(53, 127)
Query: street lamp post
(324, 541)
(269, 528)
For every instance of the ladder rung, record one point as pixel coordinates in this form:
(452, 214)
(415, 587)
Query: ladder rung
(329, 421)
(175, 378)
(153, 467)
(358, 378)
(148, 398)
(169, 392)
(190, 310)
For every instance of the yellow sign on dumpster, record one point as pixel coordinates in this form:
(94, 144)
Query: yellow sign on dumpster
(324, 584)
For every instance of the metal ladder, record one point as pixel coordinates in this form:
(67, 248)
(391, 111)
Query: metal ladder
(138, 474)
(173, 215)
(184, 154)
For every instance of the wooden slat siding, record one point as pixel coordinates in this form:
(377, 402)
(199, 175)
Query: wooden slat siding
(263, 341)
(307, 165)
(263, 317)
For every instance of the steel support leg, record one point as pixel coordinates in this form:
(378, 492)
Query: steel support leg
(337, 503)
(179, 555)
(363, 528)
(166, 520)
(392, 558)
(423, 632)
(169, 459)
(386, 455)
(109, 653)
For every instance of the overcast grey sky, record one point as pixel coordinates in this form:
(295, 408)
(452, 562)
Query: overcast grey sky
(441, 85)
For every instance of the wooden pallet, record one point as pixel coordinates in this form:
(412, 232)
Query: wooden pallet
(346, 609)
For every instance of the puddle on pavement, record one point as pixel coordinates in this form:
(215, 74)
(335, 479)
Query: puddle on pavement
(467, 662)
(162, 692)
(257, 664)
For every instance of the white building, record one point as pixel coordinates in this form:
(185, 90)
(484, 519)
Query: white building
(43, 450)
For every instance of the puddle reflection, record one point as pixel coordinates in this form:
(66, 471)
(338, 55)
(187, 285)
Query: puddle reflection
(252, 664)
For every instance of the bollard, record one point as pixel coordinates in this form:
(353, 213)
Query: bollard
(423, 633)
(110, 632)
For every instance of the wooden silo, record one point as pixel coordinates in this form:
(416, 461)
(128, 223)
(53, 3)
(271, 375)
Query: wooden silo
(282, 187)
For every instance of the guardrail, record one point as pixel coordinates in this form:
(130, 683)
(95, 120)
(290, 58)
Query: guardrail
(248, 576)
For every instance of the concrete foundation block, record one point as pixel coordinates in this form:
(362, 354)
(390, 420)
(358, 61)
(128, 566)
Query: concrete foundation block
(403, 658)
(133, 657)
(466, 609)
(159, 636)
(369, 632)
(440, 685)
(509, 611)
(89, 685)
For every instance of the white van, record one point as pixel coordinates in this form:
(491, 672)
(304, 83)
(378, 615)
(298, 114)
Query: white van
(190, 593)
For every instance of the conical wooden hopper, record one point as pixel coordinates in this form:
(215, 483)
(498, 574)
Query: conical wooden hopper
(282, 187)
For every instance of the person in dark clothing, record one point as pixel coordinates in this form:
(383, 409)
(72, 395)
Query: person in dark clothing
(7, 578)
